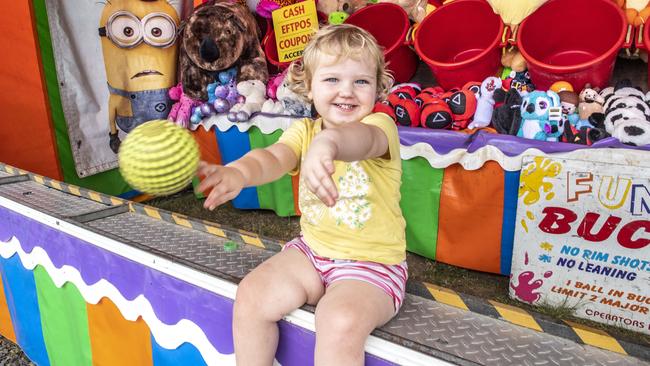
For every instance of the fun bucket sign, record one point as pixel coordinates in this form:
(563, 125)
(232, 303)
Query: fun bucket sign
(293, 26)
(582, 240)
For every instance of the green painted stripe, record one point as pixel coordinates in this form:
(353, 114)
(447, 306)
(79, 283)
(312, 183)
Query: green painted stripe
(110, 182)
(421, 185)
(64, 321)
(278, 195)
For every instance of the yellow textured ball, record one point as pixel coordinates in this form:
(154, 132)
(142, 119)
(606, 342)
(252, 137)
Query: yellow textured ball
(158, 158)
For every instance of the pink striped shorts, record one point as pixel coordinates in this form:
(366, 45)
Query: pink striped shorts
(390, 278)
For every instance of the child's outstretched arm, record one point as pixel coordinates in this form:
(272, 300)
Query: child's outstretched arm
(257, 167)
(349, 142)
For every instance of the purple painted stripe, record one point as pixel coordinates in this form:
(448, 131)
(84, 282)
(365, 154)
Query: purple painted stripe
(444, 141)
(171, 299)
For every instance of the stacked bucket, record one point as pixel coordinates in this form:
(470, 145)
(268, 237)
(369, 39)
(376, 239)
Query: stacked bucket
(572, 40)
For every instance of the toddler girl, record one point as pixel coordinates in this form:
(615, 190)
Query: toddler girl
(350, 258)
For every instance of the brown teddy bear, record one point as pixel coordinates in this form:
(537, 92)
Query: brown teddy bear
(218, 35)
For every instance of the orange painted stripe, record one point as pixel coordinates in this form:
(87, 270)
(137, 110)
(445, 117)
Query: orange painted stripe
(294, 184)
(115, 340)
(207, 141)
(470, 217)
(27, 134)
(6, 325)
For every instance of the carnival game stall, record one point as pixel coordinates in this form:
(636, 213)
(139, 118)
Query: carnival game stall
(93, 279)
(513, 135)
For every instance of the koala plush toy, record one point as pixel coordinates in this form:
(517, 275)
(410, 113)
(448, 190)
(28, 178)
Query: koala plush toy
(219, 35)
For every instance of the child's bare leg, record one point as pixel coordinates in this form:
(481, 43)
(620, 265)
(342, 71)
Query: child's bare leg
(345, 316)
(276, 287)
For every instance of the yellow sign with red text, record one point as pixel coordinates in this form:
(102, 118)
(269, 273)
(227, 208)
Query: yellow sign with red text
(294, 25)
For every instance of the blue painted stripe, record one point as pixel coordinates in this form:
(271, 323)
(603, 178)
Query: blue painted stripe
(185, 354)
(20, 291)
(232, 146)
(510, 196)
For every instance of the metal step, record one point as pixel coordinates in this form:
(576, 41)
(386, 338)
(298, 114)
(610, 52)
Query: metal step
(426, 326)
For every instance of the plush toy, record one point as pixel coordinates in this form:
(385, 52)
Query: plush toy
(436, 114)
(589, 102)
(254, 92)
(514, 60)
(506, 118)
(183, 106)
(272, 105)
(404, 110)
(569, 103)
(288, 102)
(339, 10)
(416, 9)
(540, 116)
(222, 94)
(520, 81)
(485, 103)
(264, 8)
(626, 115)
(219, 35)
(513, 13)
(636, 11)
(462, 104)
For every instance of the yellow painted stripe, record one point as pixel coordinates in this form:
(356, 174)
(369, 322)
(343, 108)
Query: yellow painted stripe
(215, 231)
(39, 179)
(152, 213)
(596, 337)
(252, 240)
(74, 190)
(94, 196)
(181, 221)
(446, 296)
(56, 185)
(516, 315)
(116, 202)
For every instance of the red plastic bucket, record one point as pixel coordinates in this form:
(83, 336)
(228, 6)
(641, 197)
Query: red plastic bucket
(389, 24)
(271, 51)
(572, 40)
(460, 41)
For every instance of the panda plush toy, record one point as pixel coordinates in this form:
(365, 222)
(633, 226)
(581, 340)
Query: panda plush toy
(626, 115)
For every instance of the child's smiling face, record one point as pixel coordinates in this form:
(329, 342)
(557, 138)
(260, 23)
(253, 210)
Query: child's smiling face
(343, 90)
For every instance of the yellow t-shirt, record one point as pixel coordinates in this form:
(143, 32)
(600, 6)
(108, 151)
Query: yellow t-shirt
(366, 223)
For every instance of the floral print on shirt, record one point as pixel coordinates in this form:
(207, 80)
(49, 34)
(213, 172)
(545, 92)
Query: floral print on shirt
(352, 209)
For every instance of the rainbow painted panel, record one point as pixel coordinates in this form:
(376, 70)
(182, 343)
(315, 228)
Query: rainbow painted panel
(71, 302)
(276, 196)
(450, 182)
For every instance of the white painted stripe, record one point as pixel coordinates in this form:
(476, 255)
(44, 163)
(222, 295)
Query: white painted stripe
(374, 345)
(167, 336)
(267, 125)
(476, 159)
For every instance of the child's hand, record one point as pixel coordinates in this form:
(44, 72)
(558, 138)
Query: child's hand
(226, 183)
(317, 170)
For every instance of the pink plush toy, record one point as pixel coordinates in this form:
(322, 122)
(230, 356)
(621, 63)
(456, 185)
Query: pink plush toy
(274, 83)
(182, 108)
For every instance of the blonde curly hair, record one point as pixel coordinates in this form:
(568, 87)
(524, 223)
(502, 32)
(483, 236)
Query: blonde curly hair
(342, 40)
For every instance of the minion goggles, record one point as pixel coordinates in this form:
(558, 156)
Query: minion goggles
(126, 30)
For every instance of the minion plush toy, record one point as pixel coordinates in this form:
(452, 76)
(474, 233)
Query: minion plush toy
(140, 54)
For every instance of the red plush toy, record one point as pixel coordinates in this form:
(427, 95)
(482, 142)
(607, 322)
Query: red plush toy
(462, 105)
(407, 113)
(436, 114)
